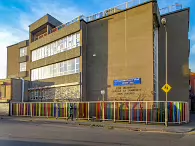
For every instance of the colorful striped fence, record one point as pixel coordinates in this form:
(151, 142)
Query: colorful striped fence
(129, 111)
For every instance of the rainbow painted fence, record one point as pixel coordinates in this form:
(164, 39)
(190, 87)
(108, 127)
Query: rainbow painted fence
(142, 111)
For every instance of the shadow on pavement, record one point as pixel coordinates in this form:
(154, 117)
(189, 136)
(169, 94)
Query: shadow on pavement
(30, 143)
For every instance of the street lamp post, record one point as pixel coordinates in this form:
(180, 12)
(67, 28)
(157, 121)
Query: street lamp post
(164, 21)
(103, 93)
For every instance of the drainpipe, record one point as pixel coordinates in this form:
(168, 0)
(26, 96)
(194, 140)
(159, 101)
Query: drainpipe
(22, 89)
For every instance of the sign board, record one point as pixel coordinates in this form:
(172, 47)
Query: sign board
(166, 88)
(128, 82)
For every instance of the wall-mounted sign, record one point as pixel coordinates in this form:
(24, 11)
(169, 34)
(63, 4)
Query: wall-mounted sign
(135, 81)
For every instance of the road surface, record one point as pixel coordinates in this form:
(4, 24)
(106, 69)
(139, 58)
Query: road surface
(33, 134)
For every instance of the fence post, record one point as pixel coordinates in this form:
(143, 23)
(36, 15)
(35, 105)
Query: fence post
(129, 112)
(31, 110)
(10, 108)
(88, 111)
(146, 112)
(102, 110)
(46, 110)
(24, 109)
(66, 110)
(114, 112)
(56, 110)
(39, 109)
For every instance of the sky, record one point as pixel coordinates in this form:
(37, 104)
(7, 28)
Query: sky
(17, 15)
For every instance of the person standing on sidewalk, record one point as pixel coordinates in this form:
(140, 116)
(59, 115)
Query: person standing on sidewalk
(71, 112)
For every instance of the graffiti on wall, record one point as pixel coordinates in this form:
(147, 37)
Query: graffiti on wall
(130, 93)
(4, 109)
(68, 93)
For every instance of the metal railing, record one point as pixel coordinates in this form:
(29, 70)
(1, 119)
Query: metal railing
(129, 111)
(111, 11)
(99, 15)
(171, 8)
(115, 9)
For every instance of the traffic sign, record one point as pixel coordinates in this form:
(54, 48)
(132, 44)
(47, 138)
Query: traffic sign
(166, 88)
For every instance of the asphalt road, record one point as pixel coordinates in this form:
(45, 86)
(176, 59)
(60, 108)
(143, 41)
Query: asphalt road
(33, 134)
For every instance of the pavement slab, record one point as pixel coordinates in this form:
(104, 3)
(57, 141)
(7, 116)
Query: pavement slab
(185, 128)
(24, 133)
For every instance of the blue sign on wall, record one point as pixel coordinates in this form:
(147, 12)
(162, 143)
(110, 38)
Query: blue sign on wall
(135, 81)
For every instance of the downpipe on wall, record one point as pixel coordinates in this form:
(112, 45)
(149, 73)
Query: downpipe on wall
(22, 89)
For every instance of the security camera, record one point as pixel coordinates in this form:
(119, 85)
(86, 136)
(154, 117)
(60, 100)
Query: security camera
(163, 21)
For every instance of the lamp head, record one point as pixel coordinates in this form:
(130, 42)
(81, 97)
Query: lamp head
(163, 21)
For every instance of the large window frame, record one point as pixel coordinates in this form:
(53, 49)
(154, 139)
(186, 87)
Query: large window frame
(58, 69)
(64, 44)
(23, 51)
(22, 66)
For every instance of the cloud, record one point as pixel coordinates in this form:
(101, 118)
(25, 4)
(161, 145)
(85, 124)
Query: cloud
(12, 33)
(64, 13)
(8, 36)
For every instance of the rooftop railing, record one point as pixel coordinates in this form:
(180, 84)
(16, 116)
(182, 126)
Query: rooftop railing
(99, 15)
(114, 10)
(171, 8)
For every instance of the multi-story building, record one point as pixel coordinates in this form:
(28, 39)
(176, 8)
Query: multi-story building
(120, 51)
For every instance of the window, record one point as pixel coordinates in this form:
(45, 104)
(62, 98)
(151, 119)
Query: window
(59, 46)
(54, 70)
(74, 36)
(69, 41)
(65, 68)
(46, 51)
(62, 68)
(78, 40)
(46, 72)
(71, 66)
(42, 52)
(38, 54)
(77, 66)
(49, 50)
(56, 47)
(51, 71)
(33, 56)
(65, 44)
(22, 66)
(23, 51)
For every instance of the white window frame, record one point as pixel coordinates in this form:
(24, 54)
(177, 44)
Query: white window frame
(54, 46)
(77, 62)
(23, 51)
(22, 66)
(58, 69)
(78, 40)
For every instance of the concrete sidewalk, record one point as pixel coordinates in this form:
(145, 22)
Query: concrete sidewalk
(185, 128)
